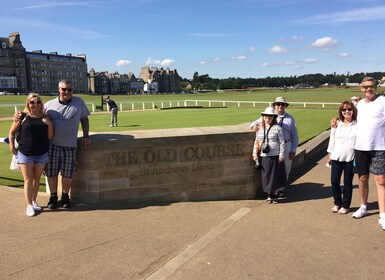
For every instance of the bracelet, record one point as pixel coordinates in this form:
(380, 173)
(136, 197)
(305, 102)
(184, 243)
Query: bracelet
(11, 136)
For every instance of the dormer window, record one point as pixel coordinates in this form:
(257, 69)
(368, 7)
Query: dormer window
(3, 45)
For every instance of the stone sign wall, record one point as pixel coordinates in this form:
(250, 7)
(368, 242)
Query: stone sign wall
(166, 169)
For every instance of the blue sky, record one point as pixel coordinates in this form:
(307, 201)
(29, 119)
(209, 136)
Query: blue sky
(222, 38)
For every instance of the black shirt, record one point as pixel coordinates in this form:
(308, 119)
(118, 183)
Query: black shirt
(33, 137)
(112, 104)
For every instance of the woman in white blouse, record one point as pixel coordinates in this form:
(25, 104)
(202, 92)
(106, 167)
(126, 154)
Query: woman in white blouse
(269, 149)
(341, 156)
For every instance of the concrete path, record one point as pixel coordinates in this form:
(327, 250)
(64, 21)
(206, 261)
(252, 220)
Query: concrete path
(297, 239)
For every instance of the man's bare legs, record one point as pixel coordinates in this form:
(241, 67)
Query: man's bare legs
(363, 186)
(380, 184)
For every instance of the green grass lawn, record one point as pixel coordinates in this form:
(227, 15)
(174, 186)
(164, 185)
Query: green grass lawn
(310, 121)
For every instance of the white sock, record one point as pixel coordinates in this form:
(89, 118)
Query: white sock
(382, 215)
(364, 206)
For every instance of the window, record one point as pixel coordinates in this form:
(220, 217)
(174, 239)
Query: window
(4, 45)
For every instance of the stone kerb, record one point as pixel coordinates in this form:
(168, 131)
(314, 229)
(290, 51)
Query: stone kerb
(167, 168)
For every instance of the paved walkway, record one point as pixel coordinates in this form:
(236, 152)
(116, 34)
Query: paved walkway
(297, 239)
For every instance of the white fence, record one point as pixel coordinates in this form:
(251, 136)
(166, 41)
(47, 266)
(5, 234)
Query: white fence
(152, 105)
(147, 105)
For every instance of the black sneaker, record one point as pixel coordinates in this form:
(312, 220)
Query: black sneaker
(52, 203)
(281, 196)
(65, 201)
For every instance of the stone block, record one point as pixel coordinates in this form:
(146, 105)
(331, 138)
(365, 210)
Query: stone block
(161, 168)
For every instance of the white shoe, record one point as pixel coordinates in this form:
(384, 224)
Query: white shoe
(343, 211)
(36, 206)
(360, 213)
(30, 212)
(381, 223)
(335, 209)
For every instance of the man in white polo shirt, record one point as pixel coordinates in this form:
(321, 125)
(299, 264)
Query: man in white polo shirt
(370, 147)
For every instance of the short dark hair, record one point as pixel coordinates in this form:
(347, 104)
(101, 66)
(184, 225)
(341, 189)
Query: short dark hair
(65, 81)
(368, 79)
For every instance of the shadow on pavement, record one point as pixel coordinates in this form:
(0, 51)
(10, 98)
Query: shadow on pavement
(307, 191)
(111, 205)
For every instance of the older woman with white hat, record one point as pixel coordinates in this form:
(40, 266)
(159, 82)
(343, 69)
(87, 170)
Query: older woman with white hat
(290, 133)
(269, 149)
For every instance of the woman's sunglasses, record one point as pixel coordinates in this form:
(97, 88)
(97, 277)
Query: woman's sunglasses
(34, 102)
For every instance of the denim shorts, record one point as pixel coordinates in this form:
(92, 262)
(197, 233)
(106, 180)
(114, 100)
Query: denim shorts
(22, 158)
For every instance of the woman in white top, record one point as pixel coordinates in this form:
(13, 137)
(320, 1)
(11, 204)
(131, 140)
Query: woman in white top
(341, 155)
(269, 148)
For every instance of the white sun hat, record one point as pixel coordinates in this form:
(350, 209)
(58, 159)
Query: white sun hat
(269, 111)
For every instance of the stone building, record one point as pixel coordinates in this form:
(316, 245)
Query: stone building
(47, 69)
(22, 71)
(13, 72)
(113, 83)
(168, 81)
(98, 82)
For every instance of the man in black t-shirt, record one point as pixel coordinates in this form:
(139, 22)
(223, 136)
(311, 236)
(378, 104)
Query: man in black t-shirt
(113, 108)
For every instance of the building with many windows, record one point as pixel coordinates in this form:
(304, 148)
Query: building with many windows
(22, 71)
(13, 72)
(34, 71)
(47, 69)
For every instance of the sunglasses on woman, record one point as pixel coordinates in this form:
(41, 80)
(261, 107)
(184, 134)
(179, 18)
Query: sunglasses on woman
(34, 102)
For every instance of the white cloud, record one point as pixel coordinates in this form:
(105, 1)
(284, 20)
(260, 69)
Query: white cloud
(122, 63)
(324, 44)
(366, 14)
(311, 60)
(277, 49)
(344, 54)
(277, 64)
(297, 38)
(164, 62)
(167, 62)
(240, 57)
(204, 62)
(151, 61)
(252, 49)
